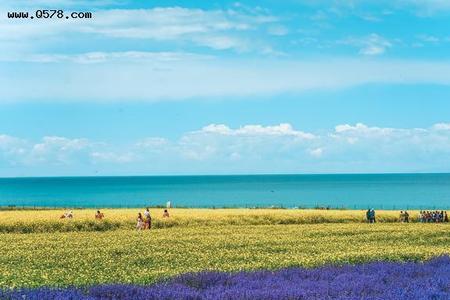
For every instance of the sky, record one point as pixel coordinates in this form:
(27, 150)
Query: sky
(225, 87)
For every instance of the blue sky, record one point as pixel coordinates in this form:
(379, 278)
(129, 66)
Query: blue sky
(224, 87)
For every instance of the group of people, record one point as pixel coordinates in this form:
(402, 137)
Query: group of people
(424, 216)
(370, 215)
(433, 216)
(69, 215)
(144, 221)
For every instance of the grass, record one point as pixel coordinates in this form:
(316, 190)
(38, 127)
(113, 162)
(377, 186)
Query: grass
(126, 256)
(41, 221)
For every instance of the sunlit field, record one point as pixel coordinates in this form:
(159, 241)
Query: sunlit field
(197, 240)
(27, 221)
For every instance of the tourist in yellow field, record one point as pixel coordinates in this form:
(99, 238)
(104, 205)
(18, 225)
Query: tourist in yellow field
(165, 214)
(140, 222)
(372, 216)
(67, 215)
(406, 216)
(99, 215)
(147, 219)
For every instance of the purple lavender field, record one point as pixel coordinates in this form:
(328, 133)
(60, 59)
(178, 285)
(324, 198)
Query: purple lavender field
(377, 280)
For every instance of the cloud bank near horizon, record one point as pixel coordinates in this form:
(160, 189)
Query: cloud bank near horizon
(249, 149)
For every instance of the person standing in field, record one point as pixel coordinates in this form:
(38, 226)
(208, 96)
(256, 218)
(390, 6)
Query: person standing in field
(368, 215)
(148, 219)
(372, 216)
(140, 222)
(166, 213)
(99, 215)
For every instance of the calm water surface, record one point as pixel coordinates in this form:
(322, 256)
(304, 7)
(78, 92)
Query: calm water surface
(393, 191)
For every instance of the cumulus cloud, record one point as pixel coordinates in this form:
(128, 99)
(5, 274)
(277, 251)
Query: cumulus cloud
(283, 129)
(219, 148)
(56, 149)
(362, 129)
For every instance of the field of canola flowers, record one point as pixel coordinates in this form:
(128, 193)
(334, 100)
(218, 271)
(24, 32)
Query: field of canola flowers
(33, 221)
(199, 240)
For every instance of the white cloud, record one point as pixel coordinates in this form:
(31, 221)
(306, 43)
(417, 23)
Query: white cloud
(170, 23)
(219, 141)
(223, 42)
(11, 148)
(372, 44)
(155, 80)
(57, 149)
(425, 7)
(152, 142)
(316, 152)
(217, 29)
(362, 129)
(9, 142)
(419, 7)
(442, 126)
(283, 129)
(102, 57)
(428, 38)
(246, 149)
(111, 157)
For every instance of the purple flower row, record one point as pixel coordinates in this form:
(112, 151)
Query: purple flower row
(377, 280)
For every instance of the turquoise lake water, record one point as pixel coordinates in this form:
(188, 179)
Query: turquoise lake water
(388, 191)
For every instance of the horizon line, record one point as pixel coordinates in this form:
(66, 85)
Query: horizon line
(226, 175)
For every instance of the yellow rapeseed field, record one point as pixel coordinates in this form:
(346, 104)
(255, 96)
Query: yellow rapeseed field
(90, 252)
(26, 221)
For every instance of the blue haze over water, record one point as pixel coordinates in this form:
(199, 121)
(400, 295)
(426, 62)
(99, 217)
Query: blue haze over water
(388, 191)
